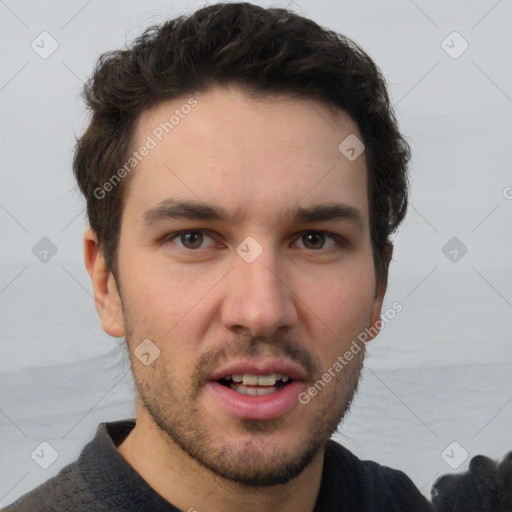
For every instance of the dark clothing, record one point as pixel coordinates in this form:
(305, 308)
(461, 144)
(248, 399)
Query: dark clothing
(102, 480)
(485, 487)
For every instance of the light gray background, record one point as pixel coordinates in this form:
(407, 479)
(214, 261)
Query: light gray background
(439, 372)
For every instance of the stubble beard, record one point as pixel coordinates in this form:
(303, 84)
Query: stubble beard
(257, 460)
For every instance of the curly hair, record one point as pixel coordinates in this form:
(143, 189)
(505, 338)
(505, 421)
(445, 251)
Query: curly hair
(263, 51)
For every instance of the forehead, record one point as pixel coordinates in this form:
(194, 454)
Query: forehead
(257, 156)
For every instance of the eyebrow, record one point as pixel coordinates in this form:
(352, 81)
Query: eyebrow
(170, 209)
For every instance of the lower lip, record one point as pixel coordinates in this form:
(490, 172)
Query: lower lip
(265, 407)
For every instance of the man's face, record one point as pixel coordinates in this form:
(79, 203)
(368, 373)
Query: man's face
(221, 307)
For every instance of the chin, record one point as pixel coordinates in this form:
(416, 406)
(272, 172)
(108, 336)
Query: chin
(260, 463)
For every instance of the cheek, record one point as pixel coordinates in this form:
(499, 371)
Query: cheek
(168, 302)
(343, 302)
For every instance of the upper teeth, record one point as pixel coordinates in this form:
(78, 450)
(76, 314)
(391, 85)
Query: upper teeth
(249, 379)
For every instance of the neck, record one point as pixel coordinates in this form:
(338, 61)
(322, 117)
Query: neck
(189, 486)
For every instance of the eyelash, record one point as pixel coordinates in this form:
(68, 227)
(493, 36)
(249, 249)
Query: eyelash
(340, 241)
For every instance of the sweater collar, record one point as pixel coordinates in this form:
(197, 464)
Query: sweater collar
(110, 475)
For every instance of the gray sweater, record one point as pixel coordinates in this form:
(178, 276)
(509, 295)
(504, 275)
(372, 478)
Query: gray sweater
(102, 480)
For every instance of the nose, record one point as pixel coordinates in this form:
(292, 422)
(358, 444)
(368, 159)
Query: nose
(258, 296)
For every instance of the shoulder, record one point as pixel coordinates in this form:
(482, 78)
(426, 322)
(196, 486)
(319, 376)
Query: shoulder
(485, 487)
(66, 489)
(380, 487)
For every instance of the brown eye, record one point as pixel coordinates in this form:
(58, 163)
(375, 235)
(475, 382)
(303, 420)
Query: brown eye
(316, 240)
(194, 239)
(190, 239)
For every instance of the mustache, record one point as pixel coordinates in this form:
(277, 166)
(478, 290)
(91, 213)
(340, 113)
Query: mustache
(277, 345)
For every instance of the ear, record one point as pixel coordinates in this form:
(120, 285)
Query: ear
(106, 295)
(380, 291)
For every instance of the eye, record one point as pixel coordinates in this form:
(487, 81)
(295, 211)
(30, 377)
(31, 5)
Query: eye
(316, 239)
(190, 239)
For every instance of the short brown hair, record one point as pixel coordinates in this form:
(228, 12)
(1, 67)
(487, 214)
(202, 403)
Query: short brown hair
(265, 51)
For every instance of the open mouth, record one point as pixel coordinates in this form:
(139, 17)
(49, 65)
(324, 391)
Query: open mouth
(257, 389)
(256, 385)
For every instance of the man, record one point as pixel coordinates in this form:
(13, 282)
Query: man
(243, 172)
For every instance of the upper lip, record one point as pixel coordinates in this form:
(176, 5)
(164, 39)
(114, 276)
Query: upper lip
(264, 366)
